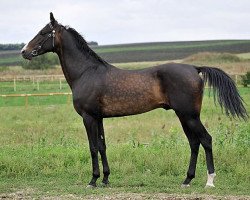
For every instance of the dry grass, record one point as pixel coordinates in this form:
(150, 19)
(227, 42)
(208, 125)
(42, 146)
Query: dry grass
(19, 71)
(230, 63)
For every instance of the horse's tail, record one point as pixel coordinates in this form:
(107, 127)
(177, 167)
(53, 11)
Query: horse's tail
(224, 90)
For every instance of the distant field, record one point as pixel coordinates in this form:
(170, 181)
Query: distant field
(168, 50)
(157, 51)
(8, 58)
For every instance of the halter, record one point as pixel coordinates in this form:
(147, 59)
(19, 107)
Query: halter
(52, 34)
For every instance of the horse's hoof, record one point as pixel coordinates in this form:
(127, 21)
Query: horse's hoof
(185, 185)
(91, 186)
(209, 186)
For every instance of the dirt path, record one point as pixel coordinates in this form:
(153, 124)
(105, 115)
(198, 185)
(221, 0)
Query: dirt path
(30, 194)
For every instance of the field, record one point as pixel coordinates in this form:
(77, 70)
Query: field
(44, 152)
(168, 50)
(44, 149)
(158, 51)
(11, 57)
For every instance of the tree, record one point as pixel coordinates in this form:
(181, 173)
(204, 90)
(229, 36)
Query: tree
(44, 61)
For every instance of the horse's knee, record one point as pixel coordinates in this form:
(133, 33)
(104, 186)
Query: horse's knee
(206, 142)
(93, 152)
(195, 147)
(102, 148)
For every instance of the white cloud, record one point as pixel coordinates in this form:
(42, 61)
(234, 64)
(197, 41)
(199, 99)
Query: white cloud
(127, 21)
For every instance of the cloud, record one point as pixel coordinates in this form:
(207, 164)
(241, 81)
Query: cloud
(128, 21)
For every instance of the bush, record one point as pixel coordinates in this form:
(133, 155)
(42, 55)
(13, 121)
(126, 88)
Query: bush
(44, 61)
(210, 57)
(245, 79)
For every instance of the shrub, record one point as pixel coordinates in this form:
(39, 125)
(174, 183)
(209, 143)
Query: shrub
(245, 79)
(44, 61)
(209, 57)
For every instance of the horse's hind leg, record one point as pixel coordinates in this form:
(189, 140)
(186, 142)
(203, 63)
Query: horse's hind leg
(194, 143)
(206, 141)
(196, 134)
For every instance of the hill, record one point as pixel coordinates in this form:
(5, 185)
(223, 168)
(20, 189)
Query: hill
(168, 50)
(156, 51)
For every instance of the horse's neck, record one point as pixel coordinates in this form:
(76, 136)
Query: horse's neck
(73, 61)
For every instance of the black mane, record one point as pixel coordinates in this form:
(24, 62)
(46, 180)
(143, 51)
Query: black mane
(82, 45)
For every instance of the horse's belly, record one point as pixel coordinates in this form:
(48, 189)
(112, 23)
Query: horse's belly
(129, 93)
(122, 106)
(132, 102)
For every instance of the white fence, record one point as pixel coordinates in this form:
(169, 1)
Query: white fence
(13, 82)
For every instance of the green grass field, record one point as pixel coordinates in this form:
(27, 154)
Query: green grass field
(44, 150)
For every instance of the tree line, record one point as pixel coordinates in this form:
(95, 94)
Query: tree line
(5, 47)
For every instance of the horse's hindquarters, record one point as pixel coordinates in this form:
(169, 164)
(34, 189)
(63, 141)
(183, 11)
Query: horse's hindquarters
(183, 86)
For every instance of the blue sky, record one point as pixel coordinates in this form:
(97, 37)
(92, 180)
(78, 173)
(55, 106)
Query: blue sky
(129, 21)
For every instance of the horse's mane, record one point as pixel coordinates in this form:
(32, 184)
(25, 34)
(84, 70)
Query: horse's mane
(82, 45)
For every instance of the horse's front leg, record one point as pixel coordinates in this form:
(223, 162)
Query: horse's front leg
(102, 150)
(91, 125)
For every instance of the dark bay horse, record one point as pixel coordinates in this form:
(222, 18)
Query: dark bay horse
(101, 90)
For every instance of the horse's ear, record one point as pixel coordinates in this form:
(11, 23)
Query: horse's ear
(52, 19)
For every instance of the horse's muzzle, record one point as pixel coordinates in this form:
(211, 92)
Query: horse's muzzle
(26, 54)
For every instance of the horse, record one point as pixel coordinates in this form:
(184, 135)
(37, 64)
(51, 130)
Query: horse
(101, 90)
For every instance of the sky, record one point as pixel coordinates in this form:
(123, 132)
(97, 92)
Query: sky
(128, 21)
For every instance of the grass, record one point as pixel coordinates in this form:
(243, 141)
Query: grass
(218, 58)
(45, 149)
(230, 63)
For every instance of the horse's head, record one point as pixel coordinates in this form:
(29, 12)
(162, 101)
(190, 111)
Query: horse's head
(43, 42)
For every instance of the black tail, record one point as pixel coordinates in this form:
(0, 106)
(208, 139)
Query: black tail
(224, 91)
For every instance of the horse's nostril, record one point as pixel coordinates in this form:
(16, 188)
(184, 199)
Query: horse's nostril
(22, 51)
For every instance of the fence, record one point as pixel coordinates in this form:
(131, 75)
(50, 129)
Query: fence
(26, 96)
(32, 78)
(18, 83)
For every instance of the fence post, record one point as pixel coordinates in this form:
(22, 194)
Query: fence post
(15, 84)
